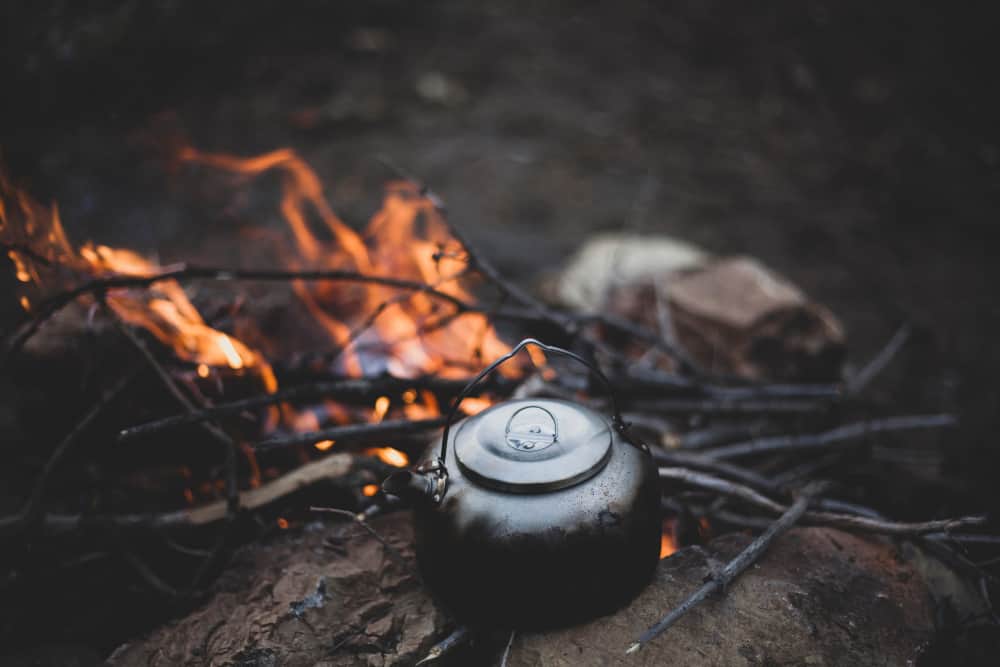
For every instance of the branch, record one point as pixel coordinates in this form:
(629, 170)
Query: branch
(360, 519)
(352, 432)
(230, 447)
(331, 467)
(836, 520)
(840, 434)
(731, 470)
(50, 307)
(727, 406)
(348, 387)
(32, 507)
(871, 370)
(722, 487)
(569, 323)
(460, 636)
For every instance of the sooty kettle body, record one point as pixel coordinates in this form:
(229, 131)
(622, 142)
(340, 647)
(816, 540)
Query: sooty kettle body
(535, 512)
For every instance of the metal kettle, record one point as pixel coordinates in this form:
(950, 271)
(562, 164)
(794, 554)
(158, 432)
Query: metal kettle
(535, 512)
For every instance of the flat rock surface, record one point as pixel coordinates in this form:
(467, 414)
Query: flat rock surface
(332, 595)
(327, 594)
(818, 597)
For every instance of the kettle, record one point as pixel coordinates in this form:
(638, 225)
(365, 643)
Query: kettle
(534, 513)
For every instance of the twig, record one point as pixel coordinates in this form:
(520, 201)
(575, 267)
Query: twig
(644, 379)
(965, 538)
(716, 434)
(330, 467)
(724, 468)
(352, 432)
(506, 651)
(151, 578)
(32, 507)
(569, 323)
(891, 527)
(733, 569)
(860, 381)
(833, 519)
(459, 636)
(341, 388)
(362, 520)
(727, 406)
(99, 286)
(722, 487)
(840, 434)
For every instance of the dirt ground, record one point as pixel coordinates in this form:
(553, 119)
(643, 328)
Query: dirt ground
(851, 145)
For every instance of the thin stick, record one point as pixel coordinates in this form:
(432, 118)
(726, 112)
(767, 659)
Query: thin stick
(840, 434)
(723, 487)
(727, 406)
(506, 651)
(873, 368)
(352, 432)
(749, 477)
(459, 636)
(332, 467)
(230, 447)
(185, 273)
(570, 324)
(834, 519)
(362, 520)
(341, 388)
(32, 507)
(643, 379)
(891, 527)
(733, 569)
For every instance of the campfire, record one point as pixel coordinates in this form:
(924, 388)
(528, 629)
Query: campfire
(174, 413)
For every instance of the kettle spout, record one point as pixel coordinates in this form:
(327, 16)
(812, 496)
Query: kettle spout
(412, 487)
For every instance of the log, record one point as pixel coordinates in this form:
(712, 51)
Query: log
(331, 594)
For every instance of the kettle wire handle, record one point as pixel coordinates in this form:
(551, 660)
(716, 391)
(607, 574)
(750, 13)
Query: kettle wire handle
(616, 417)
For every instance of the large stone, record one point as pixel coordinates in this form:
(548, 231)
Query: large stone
(818, 597)
(332, 595)
(732, 315)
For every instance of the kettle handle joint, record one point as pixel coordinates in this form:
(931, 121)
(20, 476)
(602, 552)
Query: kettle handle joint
(439, 468)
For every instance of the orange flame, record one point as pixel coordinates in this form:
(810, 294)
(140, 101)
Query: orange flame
(45, 261)
(409, 333)
(389, 455)
(668, 542)
(375, 328)
(323, 445)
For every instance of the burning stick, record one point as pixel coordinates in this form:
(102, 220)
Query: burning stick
(342, 388)
(352, 432)
(332, 467)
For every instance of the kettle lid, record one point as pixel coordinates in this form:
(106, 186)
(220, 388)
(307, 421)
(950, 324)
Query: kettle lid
(533, 445)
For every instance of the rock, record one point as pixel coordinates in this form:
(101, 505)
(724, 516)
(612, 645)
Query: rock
(732, 315)
(332, 595)
(609, 261)
(818, 597)
(329, 594)
(740, 317)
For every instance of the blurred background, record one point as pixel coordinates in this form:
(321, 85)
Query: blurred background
(852, 146)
